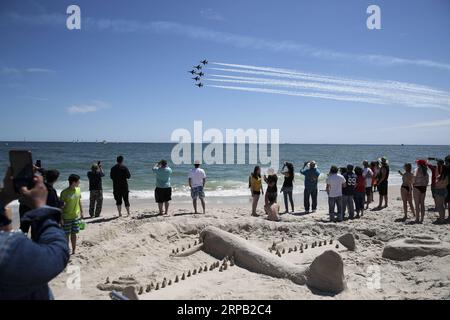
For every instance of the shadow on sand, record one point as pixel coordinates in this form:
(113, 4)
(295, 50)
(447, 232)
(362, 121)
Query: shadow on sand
(100, 220)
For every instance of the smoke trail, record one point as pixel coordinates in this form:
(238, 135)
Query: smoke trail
(302, 94)
(287, 73)
(330, 87)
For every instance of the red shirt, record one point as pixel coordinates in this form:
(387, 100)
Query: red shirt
(360, 184)
(433, 173)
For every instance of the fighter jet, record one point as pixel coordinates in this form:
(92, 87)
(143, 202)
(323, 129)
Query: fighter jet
(196, 78)
(198, 67)
(201, 74)
(204, 62)
(199, 85)
(192, 72)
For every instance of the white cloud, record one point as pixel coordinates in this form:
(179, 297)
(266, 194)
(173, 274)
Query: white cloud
(94, 106)
(210, 14)
(232, 39)
(39, 70)
(21, 71)
(428, 124)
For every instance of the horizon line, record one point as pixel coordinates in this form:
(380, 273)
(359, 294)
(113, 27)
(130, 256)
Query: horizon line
(172, 142)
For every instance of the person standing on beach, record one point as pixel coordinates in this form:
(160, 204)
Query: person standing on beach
(406, 190)
(51, 176)
(96, 190)
(447, 199)
(348, 192)
(335, 183)
(368, 175)
(435, 171)
(288, 185)
(375, 167)
(256, 189)
(272, 190)
(197, 181)
(311, 174)
(383, 176)
(119, 175)
(442, 181)
(72, 211)
(163, 190)
(420, 184)
(360, 190)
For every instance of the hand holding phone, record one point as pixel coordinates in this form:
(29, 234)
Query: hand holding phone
(22, 169)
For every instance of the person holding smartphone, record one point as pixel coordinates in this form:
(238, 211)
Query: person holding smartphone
(28, 265)
(163, 190)
(96, 190)
(119, 175)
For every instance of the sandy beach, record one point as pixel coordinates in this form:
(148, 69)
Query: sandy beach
(137, 250)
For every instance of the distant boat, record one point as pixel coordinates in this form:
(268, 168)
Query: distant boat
(104, 142)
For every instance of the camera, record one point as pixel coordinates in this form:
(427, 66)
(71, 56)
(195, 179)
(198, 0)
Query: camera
(38, 165)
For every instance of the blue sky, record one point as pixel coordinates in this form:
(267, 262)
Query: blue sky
(123, 77)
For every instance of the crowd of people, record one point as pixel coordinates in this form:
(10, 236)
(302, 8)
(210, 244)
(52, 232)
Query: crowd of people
(351, 189)
(55, 220)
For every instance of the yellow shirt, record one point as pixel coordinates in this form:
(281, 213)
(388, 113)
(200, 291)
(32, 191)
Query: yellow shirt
(255, 184)
(71, 199)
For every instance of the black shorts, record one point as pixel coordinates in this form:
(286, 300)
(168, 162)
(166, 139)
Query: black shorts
(120, 195)
(383, 188)
(369, 191)
(163, 195)
(256, 193)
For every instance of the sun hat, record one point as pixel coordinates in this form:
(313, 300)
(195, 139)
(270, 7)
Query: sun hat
(197, 162)
(270, 171)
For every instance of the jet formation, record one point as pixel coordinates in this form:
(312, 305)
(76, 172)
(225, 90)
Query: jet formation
(197, 71)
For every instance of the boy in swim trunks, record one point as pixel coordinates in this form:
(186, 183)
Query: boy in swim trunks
(72, 210)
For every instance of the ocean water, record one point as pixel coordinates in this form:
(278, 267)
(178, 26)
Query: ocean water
(222, 180)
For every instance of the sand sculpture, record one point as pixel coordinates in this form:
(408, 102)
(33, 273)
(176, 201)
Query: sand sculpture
(416, 246)
(326, 273)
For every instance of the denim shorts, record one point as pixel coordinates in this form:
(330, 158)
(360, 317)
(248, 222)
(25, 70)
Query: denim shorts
(197, 192)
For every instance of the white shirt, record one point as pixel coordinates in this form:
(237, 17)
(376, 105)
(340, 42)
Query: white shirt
(197, 175)
(368, 174)
(335, 181)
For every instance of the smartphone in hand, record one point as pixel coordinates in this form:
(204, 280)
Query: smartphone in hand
(21, 163)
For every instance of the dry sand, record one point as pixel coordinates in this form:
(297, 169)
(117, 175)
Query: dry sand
(139, 247)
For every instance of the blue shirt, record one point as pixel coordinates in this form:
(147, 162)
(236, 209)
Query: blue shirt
(162, 176)
(311, 177)
(27, 265)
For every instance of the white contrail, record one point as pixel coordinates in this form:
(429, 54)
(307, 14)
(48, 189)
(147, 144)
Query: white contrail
(293, 74)
(394, 92)
(303, 94)
(393, 96)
